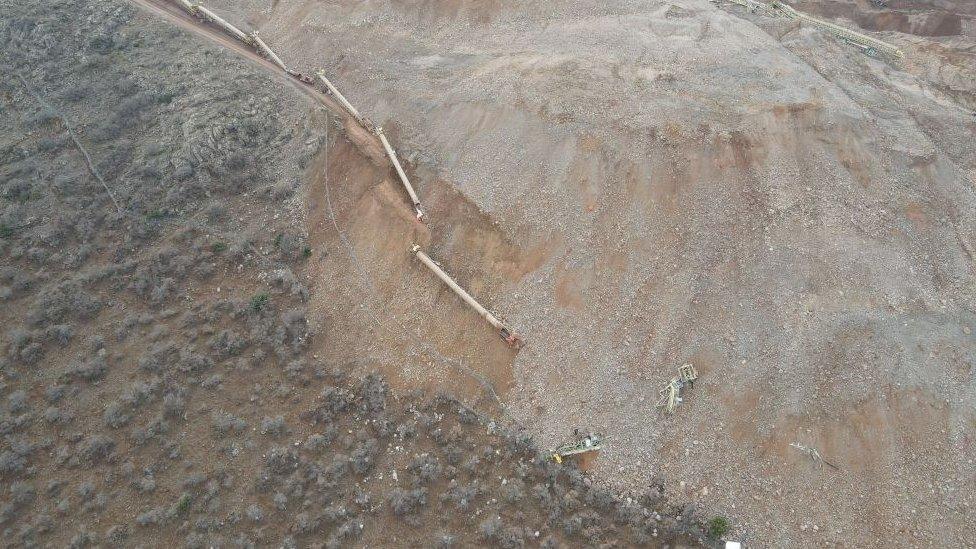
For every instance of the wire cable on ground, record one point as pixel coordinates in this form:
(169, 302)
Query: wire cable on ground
(74, 139)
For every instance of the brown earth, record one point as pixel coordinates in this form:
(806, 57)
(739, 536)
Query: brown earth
(188, 352)
(699, 184)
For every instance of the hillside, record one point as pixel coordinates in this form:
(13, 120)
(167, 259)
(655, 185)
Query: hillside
(170, 283)
(685, 181)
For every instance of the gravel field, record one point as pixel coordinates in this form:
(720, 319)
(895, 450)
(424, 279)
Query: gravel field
(682, 182)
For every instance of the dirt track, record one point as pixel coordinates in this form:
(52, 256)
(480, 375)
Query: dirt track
(366, 142)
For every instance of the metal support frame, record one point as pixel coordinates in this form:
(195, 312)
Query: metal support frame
(670, 396)
(587, 444)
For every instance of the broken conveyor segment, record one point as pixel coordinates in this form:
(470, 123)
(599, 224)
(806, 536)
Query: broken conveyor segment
(863, 41)
(220, 22)
(378, 131)
(268, 52)
(867, 43)
(334, 92)
(507, 334)
(403, 176)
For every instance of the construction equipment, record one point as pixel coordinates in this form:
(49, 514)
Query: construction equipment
(670, 395)
(584, 445)
(510, 337)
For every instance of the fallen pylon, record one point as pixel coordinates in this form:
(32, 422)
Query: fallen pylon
(403, 176)
(268, 52)
(503, 330)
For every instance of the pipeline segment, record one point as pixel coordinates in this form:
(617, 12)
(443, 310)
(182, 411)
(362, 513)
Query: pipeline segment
(403, 176)
(862, 40)
(510, 337)
(268, 52)
(187, 6)
(255, 41)
(379, 133)
(230, 29)
(342, 99)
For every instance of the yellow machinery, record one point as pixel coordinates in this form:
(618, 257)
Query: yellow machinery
(586, 445)
(670, 395)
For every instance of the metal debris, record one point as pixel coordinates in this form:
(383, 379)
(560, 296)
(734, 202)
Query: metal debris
(587, 444)
(670, 395)
(814, 455)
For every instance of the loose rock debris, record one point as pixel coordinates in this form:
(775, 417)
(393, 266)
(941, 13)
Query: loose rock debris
(692, 179)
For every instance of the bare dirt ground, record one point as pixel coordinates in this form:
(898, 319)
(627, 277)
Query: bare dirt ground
(168, 378)
(666, 182)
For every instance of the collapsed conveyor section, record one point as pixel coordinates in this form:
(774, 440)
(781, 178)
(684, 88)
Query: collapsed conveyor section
(252, 40)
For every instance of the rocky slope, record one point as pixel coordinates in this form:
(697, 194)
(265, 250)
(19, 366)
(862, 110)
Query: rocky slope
(680, 181)
(162, 382)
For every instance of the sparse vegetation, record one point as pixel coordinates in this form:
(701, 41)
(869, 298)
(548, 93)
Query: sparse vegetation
(259, 302)
(150, 358)
(182, 505)
(718, 527)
